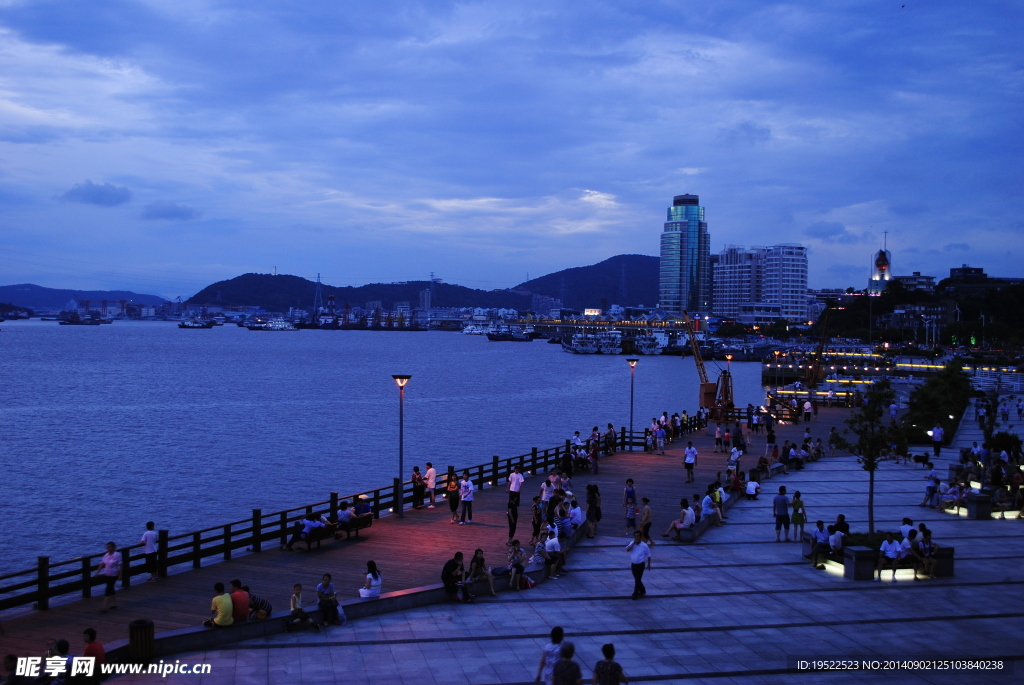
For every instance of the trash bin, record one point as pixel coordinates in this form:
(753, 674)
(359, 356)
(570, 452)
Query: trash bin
(140, 641)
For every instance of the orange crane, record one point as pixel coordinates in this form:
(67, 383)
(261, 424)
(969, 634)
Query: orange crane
(714, 396)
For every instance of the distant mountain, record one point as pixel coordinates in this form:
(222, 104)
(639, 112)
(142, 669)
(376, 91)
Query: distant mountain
(278, 293)
(38, 297)
(626, 279)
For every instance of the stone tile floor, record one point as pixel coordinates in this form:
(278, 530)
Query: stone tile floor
(735, 608)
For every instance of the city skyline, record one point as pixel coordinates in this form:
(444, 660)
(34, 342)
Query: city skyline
(160, 148)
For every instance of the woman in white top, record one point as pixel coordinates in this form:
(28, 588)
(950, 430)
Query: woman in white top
(373, 581)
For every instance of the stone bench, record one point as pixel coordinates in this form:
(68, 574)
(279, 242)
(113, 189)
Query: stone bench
(859, 563)
(694, 532)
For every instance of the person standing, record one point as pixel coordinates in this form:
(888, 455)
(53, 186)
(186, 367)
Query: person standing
(646, 520)
(549, 656)
(466, 489)
(149, 539)
(639, 558)
(111, 571)
(593, 509)
(512, 513)
(514, 485)
(609, 440)
(452, 492)
(799, 517)
(937, 435)
(780, 508)
(430, 477)
(659, 435)
(418, 488)
(690, 461)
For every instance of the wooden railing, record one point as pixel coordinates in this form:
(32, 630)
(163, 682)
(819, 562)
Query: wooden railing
(48, 580)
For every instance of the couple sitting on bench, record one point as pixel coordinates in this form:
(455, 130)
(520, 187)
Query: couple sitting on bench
(828, 543)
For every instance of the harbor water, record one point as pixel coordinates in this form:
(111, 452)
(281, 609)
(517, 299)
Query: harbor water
(105, 427)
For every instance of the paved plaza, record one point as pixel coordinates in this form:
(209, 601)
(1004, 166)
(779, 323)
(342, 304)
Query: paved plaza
(734, 607)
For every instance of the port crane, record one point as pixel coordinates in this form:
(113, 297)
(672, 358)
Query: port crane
(715, 396)
(815, 369)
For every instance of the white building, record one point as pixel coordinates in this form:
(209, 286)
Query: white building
(753, 284)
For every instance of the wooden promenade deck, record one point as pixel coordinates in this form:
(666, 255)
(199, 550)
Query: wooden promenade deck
(409, 551)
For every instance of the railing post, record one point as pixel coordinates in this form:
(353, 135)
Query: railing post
(257, 530)
(126, 568)
(494, 469)
(480, 477)
(622, 440)
(376, 504)
(396, 495)
(309, 511)
(197, 550)
(284, 528)
(163, 542)
(227, 542)
(43, 583)
(334, 506)
(86, 577)
(533, 460)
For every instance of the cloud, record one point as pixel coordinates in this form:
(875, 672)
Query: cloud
(102, 194)
(830, 232)
(957, 247)
(692, 170)
(596, 197)
(746, 133)
(169, 210)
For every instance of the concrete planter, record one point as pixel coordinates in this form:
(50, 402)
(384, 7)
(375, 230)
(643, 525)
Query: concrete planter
(859, 563)
(979, 507)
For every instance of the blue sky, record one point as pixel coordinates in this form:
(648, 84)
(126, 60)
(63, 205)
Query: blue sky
(160, 146)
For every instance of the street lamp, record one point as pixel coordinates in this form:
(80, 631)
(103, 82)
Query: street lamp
(728, 362)
(632, 379)
(398, 496)
(776, 371)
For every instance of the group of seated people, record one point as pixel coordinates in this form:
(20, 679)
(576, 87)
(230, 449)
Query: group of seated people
(916, 549)
(458, 579)
(305, 527)
(699, 509)
(827, 543)
(791, 455)
(236, 606)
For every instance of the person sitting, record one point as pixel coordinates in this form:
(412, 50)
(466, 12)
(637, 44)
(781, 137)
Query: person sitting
(516, 564)
(575, 515)
(952, 498)
(708, 510)
(299, 616)
(327, 600)
(239, 602)
(764, 466)
(554, 557)
(259, 607)
(909, 552)
(360, 508)
(753, 489)
(695, 504)
(820, 545)
(221, 607)
(739, 482)
(479, 570)
(927, 550)
(453, 575)
(374, 580)
(835, 542)
(888, 555)
(304, 527)
(685, 520)
(841, 524)
(562, 522)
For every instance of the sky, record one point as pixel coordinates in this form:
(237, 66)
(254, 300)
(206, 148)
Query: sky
(161, 146)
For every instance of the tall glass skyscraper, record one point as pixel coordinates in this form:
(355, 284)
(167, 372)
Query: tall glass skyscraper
(685, 254)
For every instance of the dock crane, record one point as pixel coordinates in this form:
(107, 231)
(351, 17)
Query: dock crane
(715, 396)
(815, 369)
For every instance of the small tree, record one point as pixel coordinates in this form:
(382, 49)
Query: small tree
(873, 437)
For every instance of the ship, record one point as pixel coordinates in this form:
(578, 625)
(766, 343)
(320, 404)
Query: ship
(195, 323)
(610, 342)
(581, 343)
(273, 325)
(649, 344)
(505, 334)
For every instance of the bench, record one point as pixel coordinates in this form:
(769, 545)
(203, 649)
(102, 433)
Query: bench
(859, 563)
(354, 525)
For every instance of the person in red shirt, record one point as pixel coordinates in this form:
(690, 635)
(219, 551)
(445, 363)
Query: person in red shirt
(94, 649)
(239, 601)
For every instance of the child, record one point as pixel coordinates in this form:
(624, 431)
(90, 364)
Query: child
(726, 441)
(630, 516)
(299, 615)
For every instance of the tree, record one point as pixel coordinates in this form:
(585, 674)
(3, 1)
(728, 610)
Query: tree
(873, 437)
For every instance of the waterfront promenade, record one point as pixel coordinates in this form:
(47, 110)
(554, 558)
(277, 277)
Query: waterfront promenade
(735, 607)
(409, 551)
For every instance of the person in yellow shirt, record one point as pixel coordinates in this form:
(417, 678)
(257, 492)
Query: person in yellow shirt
(221, 607)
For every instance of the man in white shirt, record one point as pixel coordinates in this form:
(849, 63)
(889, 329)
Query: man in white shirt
(430, 478)
(819, 545)
(149, 539)
(575, 515)
(888, 554)
(835, 541)
(514, 485)
(554, 557)
(937, 435)
(931, 480)
(753, 489)
(466, 489)
(577, 441)
(639, 557)
(689, 461)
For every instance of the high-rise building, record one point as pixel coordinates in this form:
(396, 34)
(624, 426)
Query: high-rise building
(881, 272)
(685, 251)
(761, 283)
(785, 280)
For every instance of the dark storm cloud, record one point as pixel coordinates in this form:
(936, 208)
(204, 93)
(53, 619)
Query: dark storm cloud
(101, 194)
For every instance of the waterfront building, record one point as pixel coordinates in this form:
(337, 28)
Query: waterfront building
(881, 272)
(685, 277)
(761, 283)
(917, 282)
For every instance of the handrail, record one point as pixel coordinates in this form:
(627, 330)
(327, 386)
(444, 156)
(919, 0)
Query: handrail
(48, 579)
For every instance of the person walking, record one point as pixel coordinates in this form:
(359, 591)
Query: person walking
(780, 508)
(466, 489)
(690, 461)
(639, 558)
(549, 655)
(451, 491)
(512, 514)
(593, 509)
(608, 671)
(111, 570)
(150, 539)
(567, 671)
(430, 478)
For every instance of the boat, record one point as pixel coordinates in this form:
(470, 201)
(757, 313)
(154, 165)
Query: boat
(273, 325)
(505, 334)
(647, 344)
(581, 343)
(196, 324)
(473, 329)
(610, 342)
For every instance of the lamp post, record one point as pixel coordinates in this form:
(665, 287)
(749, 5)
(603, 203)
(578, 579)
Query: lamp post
(776, 371)
(728, 362)
(398, 496)
(632, 379)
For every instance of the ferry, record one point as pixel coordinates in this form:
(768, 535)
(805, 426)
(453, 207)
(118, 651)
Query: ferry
(649, 344)
(610, 342)
(473, 329)
(195, 323)
(506, 334)
(581, 343)
(274, 325)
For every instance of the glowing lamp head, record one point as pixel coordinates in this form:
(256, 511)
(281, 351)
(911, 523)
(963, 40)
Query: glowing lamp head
(728, 357)
(632, 363)
(401, 380)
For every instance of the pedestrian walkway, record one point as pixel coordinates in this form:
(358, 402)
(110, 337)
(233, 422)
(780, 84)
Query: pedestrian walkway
(409, 551)
(735, 607)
